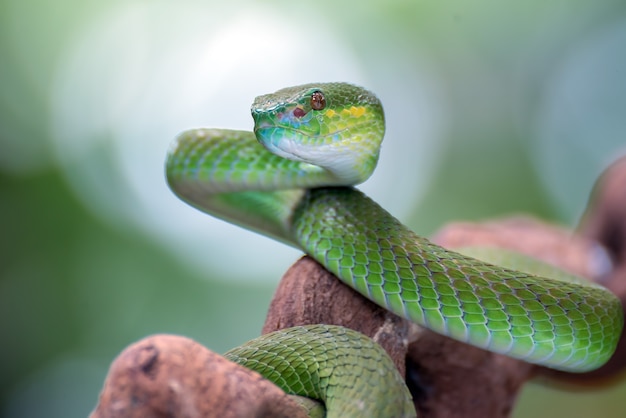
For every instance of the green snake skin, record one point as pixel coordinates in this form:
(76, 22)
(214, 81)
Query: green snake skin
(318, 140)
(352, 364)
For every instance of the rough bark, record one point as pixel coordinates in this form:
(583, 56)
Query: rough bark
(309, 294)
(166, 376)
(604, 223)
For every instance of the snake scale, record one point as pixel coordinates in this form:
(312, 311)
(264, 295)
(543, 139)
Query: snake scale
(317, 141)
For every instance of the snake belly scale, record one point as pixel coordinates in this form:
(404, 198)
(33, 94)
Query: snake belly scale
(316, 142)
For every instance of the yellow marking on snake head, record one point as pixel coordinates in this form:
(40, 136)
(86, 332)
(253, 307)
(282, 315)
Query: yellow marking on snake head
(357, 111)
(354, 111)
(330, 113)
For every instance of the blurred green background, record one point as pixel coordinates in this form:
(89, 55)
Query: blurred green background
(492, 107)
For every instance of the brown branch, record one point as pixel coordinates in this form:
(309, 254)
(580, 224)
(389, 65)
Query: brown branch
(446, 378)
(604, 223)
(166, 376)
(603, 226)
(491, 380)
(309, 294)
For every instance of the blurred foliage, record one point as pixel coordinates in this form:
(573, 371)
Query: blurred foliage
(75, 291)
(525, 100)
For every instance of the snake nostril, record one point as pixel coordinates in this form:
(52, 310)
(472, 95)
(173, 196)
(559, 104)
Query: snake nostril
(298, 112)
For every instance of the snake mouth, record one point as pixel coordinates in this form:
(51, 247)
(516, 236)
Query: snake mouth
(263, 125)
(291, 131)
(297, 145)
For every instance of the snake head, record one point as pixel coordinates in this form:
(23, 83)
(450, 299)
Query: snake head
(336, 126)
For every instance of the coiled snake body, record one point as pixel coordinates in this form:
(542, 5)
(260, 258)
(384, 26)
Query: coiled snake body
(318, 141)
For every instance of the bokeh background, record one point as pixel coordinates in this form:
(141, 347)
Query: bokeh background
(492, 107)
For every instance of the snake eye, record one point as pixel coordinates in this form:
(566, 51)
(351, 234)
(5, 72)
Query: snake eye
(318, 101)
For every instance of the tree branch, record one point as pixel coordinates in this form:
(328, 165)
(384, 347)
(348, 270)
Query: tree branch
(167, 376)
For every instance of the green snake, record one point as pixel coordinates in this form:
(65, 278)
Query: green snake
(318, 140)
